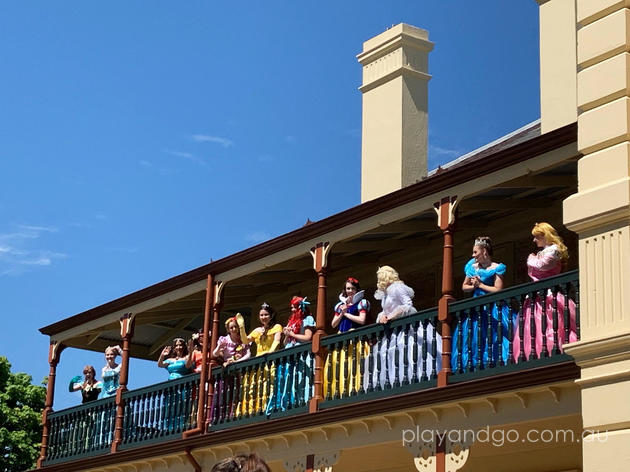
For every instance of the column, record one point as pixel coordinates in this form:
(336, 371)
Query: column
(445, 210)
(127, 322)
(217, 304)
(600, 213)
(320, 264)
(202, 393)
(54, 352)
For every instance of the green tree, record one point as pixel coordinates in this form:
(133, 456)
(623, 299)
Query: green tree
(21, 405)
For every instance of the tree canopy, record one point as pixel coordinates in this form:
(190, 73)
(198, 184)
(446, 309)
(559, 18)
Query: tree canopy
(21, 405)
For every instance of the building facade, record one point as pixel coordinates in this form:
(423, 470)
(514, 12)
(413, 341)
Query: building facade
(463, 384)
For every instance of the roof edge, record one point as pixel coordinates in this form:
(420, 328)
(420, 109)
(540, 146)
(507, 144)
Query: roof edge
(436, 182)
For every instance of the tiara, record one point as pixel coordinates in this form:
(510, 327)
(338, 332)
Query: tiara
(265, 306)
(481, 242)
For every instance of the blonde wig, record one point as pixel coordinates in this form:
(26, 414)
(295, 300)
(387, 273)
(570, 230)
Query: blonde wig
(115, 349)
(385, 276)
(551, 237)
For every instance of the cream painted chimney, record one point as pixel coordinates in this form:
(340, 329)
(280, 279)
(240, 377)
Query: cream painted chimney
(558, 79)
(395, 97)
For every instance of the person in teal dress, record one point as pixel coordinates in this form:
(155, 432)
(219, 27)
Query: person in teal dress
(294, 378)
(483, 276)
(174, 359)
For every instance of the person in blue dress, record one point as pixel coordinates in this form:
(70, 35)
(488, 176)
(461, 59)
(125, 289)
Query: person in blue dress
(483, 276)
(174, 359)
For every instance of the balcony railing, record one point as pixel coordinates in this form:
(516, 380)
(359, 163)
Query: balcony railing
(381, 359)
(160, 411)
(272, 385)
(515, 329)
(81, 431)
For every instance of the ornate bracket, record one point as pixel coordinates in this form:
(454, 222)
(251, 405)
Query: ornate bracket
(127, 323)
(320, 256)
(54, 352)
(312, 462)
(218, 292)
(445, 210)
(425, 452)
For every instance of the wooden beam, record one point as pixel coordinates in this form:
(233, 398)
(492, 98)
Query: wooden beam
(169, 335)
(474, 204)
(150, 318)
(94, 337)
(414, 226)
(540, 181)
(136, 350)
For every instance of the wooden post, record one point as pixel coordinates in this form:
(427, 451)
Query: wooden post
(310, 463)
(217, 304)
(320, 264)
(445, 210)
(54, 352)
(126, 333)
(205, 347)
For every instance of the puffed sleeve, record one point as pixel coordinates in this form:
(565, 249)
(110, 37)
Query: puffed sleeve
(309, 322)
(501, 268)
(545, 259)
(403, 296)
(469, 270)
(364, 305)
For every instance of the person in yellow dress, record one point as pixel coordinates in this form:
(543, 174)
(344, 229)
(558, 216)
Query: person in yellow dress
(267, 338)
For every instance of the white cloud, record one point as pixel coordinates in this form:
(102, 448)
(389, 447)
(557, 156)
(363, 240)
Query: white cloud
(187, 156)
(17, 251)
(257, 237)
(438, 152)
(39, 229)
(205, 138)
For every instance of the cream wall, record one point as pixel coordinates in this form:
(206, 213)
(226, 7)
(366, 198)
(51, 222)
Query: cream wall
(600, 214)
(557, 64)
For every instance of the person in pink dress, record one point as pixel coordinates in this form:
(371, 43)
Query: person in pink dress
(547, 262)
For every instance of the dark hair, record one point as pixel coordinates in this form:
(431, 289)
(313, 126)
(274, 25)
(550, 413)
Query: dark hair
(352, 281)
(231, 464)
(175, 342)
(485, 242)
(242, 463)
(269, 309)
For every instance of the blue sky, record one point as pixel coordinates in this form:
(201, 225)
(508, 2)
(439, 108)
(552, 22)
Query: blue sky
(139, 140)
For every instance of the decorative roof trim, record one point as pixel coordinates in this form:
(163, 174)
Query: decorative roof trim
(436, 182)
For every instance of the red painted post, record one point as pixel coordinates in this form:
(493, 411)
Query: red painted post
(217, 304)
(127, 322)
(54, 352)
(446, 221)
(320, 264)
